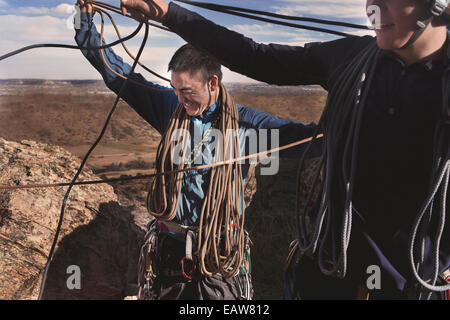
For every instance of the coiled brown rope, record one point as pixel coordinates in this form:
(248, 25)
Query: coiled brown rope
(147, 176)
(221, 227)
(164, 193)
(221, 224)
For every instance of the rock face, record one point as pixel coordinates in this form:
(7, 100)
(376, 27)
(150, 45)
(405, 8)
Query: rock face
(98, 234)
(102, 229)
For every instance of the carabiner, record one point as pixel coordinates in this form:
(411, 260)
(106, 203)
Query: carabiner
(189, 275)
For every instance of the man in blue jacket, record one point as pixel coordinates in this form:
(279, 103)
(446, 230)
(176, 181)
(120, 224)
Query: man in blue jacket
(198, 99)
(403, 72)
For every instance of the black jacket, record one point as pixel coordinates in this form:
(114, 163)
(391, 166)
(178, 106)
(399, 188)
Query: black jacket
(396, 141)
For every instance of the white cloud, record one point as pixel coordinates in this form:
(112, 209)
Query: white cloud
(260, 33)
(19, 31)
(258, 30)
(50, 25)
(65, 12)
(62, 10)
(230, 76)
(34, 29)
(329, 8)
(340, 10)
(23, 29)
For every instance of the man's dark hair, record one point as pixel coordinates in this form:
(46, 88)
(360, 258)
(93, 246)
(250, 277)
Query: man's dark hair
(188, 58)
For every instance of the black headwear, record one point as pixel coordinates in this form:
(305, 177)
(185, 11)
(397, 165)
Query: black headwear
(436, 8)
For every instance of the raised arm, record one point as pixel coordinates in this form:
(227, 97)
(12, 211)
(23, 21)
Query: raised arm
(155, 107)
(288, 131)
(270, 63)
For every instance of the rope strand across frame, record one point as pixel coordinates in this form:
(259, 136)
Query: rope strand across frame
(127, 79)
(102, 8)
(206, 166)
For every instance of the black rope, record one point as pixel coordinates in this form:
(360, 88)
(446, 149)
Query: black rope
(347, 166)
(437, 197)
(254, 17)
(227, 9)
(102, 11)
(58, 229)
(330, 216)
(69, 46)
(219, 8)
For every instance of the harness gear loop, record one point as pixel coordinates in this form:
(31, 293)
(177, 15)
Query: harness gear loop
(188, 256)
(189, 241)
(223, 202)
(445, 276)
(148, 269)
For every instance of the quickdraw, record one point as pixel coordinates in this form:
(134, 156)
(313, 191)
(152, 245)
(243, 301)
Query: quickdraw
(73, 182)
(148, 263)
(244, 277)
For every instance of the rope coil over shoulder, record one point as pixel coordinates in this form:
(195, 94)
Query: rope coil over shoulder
(343, 110)
(326, 231)
(222, 206)
(221, 224)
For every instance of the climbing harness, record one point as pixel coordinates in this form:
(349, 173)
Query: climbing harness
(153, 270)
(100, 8)
(350, 93)
(320, 229)
(244, 277)
(223, 201)
(445, 277)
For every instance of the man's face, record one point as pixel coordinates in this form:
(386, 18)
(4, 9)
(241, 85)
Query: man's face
(397, 20)
(193, 92)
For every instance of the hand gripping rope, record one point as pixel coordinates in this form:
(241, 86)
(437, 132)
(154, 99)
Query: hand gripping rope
(344, 109)
(353, 80)
(86, 157)
(101, 8)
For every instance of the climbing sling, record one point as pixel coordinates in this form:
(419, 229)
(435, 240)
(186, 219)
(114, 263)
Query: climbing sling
(222, 247)
(324, 216)
(169, 269)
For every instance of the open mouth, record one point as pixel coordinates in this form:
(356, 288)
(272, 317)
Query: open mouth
(189, 107)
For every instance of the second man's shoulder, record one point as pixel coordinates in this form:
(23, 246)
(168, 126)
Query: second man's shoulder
(342, 46)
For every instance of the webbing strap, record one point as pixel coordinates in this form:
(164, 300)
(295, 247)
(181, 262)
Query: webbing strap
(421, 26)
(446, 277)
(189, 243)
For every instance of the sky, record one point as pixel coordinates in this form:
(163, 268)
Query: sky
(27, 22)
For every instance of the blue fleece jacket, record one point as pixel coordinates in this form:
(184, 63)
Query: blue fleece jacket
(157, 107)
(395, 147)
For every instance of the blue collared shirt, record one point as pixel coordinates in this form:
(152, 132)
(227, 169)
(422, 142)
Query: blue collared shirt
(157, 107)
(396, 139)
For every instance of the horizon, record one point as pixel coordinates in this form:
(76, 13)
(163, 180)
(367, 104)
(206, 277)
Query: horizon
(48, 21)
(254, 83)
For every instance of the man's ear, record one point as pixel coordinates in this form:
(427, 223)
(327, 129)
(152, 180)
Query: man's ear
(213, 83)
